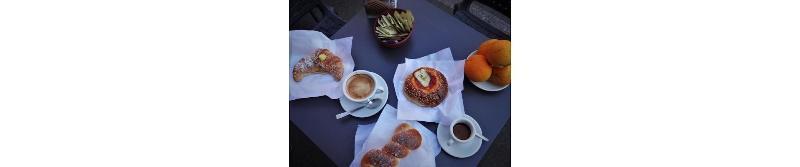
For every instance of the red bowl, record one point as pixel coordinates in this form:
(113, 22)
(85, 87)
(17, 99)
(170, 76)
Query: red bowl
(391, 43)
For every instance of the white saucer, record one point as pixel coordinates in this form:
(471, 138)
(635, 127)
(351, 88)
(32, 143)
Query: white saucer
(487, 86)
(459, 150)
(366, 112)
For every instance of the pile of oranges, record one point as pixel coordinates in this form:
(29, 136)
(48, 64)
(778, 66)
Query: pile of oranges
(492, 62)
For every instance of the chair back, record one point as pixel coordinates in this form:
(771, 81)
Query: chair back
(502, 6)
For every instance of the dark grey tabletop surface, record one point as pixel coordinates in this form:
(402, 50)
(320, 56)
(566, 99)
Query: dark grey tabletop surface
(434, 30)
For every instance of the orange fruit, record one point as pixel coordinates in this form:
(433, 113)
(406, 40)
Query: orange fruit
(485, 46)
(501, 75)
(477, 68)
(497, 52)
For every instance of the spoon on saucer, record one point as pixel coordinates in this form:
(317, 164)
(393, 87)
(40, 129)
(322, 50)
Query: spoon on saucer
(371, 104)
(481, 136)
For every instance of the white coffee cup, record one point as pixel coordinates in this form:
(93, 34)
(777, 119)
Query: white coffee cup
(470, 124)
(372, 93)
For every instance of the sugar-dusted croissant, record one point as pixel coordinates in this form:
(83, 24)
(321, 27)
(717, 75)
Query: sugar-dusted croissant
(322, 61)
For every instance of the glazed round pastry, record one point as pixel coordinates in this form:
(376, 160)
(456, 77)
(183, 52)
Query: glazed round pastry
(395, 150)
(426, 96)
(402, 127)
(376, 158)
(409, 138)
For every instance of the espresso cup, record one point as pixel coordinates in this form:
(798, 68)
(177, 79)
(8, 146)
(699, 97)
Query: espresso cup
(349, 89)
(454, 137)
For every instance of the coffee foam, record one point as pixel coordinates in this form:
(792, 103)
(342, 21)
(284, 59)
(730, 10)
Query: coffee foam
(360, 86)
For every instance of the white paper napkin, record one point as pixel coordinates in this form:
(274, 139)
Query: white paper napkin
(374, 136)
(361, 135)
(303, 43)
(451, 107)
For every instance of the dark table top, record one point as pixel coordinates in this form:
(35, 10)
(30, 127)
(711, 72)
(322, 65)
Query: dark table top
(434, 30)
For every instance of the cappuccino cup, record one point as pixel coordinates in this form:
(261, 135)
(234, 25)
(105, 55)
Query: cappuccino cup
(360, 86)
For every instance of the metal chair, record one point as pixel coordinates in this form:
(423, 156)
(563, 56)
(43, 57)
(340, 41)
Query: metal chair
(322, 18)
(502, 6)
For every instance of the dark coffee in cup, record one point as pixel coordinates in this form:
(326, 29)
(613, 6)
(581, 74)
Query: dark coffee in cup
(462, 131)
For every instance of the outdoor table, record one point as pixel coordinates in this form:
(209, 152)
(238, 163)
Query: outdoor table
(434, 30)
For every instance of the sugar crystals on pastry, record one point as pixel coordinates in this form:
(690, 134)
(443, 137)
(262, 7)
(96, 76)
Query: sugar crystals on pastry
(426, 87)
(377, 158)
(395, 150)
(409, 138)
(404, 140)
(322, 61)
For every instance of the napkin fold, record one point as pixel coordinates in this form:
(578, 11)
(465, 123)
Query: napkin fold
(305, 42)
(453, 105)
(374, 136)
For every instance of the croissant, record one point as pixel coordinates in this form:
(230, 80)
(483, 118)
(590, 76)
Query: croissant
(322, 61)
